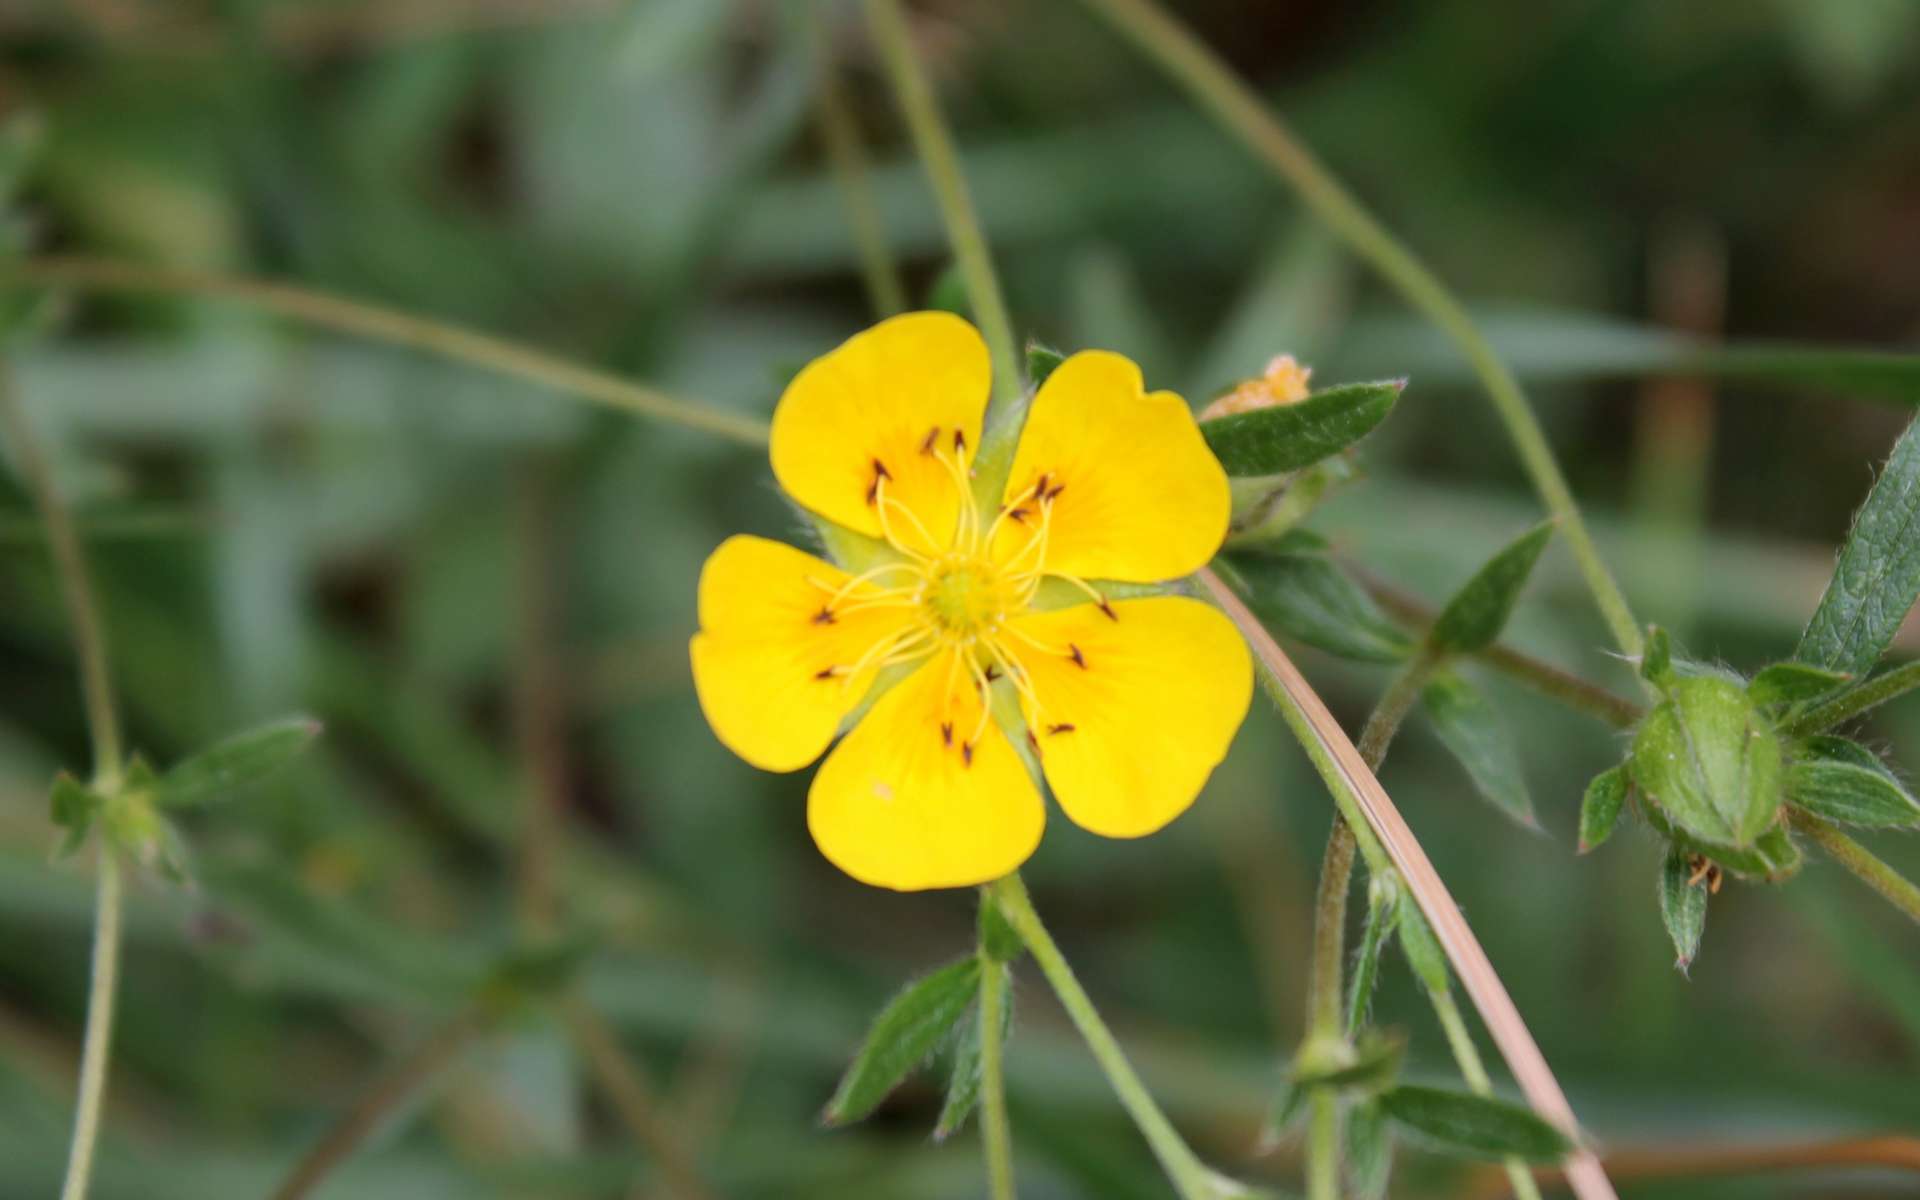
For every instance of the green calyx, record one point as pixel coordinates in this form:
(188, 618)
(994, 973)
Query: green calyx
(1710, 763)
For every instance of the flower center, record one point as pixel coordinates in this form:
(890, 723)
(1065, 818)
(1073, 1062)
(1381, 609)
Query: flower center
(965, 596)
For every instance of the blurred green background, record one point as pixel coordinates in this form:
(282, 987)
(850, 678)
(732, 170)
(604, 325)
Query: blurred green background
(284, 521)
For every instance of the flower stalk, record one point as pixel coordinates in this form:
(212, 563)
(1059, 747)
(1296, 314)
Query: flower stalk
(996, 1131)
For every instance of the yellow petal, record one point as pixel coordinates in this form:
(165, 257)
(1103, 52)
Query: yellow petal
(893, 402)
(1136, 709)
(763, 645)
(903, 804)
(1136, 494)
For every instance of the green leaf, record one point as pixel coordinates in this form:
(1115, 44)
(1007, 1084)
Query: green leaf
(1288, 437)
(1710, 761)
(1785, 684)
(1041, 361)
(1656, 661)
(22, 134)
(903, 1035)
(1468, 726)
(1478, 612)
(217, 772)
(949, 292)
(1477, 1125)
(1383, 911)
(1309, 598)
(1369, 1157)
(1422, 949)
(963, 1085)
(1878, 575)
(73, 806)
(1846, 782)
(1683, 907)
(1600, 807)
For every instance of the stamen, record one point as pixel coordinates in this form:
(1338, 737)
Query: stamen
(1063, 727)
(933, 435)
(1079, 659)
(824, 616)
(881, 500)
(1098, 596)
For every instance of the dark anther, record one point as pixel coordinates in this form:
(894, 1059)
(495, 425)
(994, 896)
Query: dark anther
(880, 470)
(1055, 490)
(946, 733)
(1108, 609)
(933, 435)
(1040, 486)
(1079, 659)
(873, 490)
(959, 442)
(824, 616)
(824, 673)
(1018, 514)
(966, 753)
(1033, 741)
(993, 672)
(1062, 728)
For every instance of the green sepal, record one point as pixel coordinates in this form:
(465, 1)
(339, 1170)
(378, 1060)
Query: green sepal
(73, 806)
(1309, 598)
(1287, 437)
(1477, 1125)
(999, 941)
(1711, 761)
(1786, 684)
(903, 1035)
(1473, 619)
(963, 1083)
(1600, 807)
(1042, 359)
(229, 765)
(1472, 731)
(1683, 907)
(1656, 661)
(1422, 949)
(1843, 781)
(1773, 857)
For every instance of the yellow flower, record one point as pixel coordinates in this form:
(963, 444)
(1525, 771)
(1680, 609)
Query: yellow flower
(973, 616)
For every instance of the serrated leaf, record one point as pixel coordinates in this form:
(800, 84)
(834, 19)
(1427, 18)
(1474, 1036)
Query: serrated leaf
(1878, 576)
(963, 1084)
(218, 771)
(1041, 361)
(1309, 598)
(1477, 1125)
(1683, 908)
(1473, 732)
(1656, 661)
(1473, 619)
(1710, 761)
(73, 806)
(1788, 683)
(1846, 782)
(1600, 807)
(1422, 949)
(1369, 1157)
(903, 1035)
(1287, 437)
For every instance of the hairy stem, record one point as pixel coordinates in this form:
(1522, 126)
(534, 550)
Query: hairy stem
(942, 163)
(96, 1047)
(996, 1132)
(1191, 1179)
(103, 727)
(1363, 801)
(393, 1089)
(1898, 890)
(848, 157)
(1460, 1042)
(397, 328)
(1869, 693)
(632, 1099)
(1237, 107)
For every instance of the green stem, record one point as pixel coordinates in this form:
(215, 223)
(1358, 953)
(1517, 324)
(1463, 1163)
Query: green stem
(848, 157)
(996, 1132)
(1876, 874)
(95, 1049)
(401, 329)
(1191, 1178)
(103, 726)
(1869, 693)
(1240, 109)
(620, 1079)
(1467, 1055)
(942, 162)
